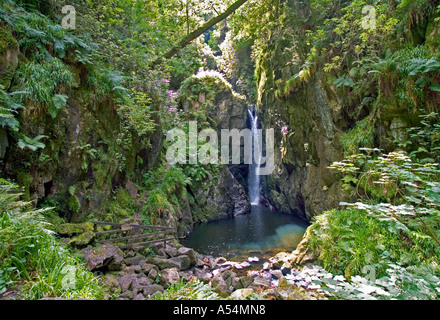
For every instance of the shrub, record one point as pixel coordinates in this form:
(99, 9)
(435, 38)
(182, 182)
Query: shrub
(32, 259)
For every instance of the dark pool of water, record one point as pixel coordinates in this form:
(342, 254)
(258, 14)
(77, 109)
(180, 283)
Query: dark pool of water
(261, 233)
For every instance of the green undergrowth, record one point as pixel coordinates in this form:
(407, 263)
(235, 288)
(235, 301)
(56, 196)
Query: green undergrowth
(33, 260)
(346, 241)
(192, 290)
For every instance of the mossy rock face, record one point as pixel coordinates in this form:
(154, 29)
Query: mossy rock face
(69, 229)
(9, 51)
(433, 35)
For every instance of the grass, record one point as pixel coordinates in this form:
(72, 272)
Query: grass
(192, 290)
(348, 240)
(31, 258)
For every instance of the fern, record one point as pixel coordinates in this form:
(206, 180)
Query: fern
(33, 144)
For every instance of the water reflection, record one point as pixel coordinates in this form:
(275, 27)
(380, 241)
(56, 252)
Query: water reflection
(261, 232)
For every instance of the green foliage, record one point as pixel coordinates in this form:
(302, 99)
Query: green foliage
(423, 143)
(167, 186)
(8, 110)
(33, 144)
(348, 240)
(31, 257)
(138, 114)
(192, 290)
(361, 136)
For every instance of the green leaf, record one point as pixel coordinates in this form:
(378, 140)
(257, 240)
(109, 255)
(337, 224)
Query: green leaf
(33, 144)
(59, 102)
(435, 87)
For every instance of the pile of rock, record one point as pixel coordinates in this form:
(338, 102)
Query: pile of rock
(132, 276)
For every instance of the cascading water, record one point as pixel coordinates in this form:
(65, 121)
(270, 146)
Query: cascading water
(254, 178)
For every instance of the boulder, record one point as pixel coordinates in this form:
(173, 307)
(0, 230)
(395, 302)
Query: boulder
(136, 260)
(105, 256)
(190, 253)
(169, 276)
(182, 262)
(152, 274)
(202, 274)
(246, 281)
(241, 294)
(82, 239)
(153, 289)
(163, 263)
(70, 229)
(170, 251)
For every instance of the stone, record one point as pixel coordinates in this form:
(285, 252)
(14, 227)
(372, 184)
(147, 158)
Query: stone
(277, 274)
(170, 251)
(190, 253)
(267, 265)
(132, 189)
(163, 263)
(136, 260)
(246, 281)
(182, 262)
(70, 229)
(169, 276)
(126, 282)
(241, 294)
(152, 274)
(261, 282)
(236, 283)
(146, 267)
(139, 296)
(202, 275)
(105, 256)
(82, 239)
(126, 295)
(151, 290)
(286, 269)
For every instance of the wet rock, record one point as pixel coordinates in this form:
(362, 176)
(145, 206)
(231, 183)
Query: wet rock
(246, 281)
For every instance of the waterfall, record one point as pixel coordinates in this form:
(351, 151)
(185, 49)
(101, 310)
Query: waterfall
(253, 177)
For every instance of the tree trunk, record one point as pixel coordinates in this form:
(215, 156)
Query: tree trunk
(198, 32)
